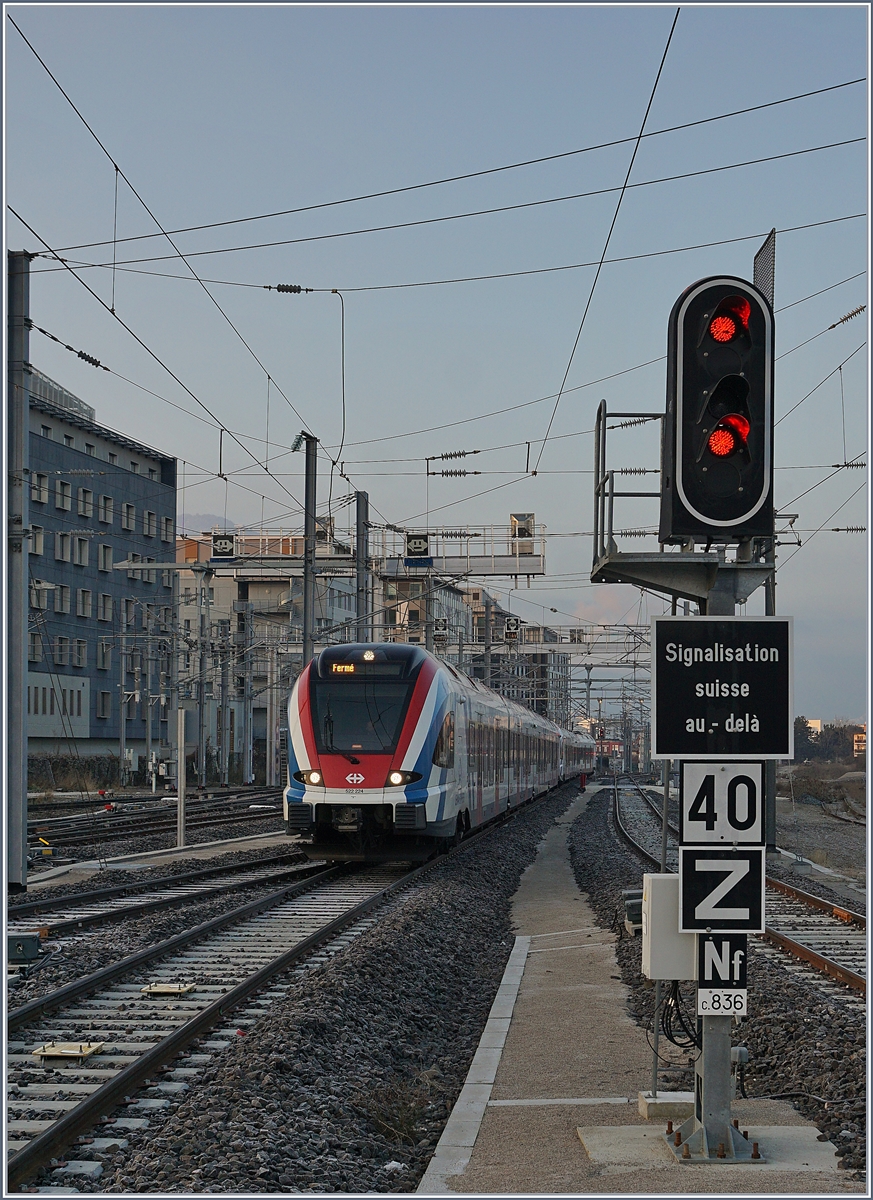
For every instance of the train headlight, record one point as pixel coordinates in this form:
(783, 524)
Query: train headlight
(399, 778)
(314, 778)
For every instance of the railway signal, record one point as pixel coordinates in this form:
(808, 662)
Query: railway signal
(717, 464)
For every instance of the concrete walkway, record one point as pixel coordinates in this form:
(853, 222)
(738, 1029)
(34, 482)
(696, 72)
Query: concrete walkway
(561, 1061)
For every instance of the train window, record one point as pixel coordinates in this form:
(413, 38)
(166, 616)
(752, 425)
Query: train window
(444, 750)
(358, 715)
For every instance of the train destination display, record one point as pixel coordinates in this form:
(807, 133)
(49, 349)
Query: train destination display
(722, 687)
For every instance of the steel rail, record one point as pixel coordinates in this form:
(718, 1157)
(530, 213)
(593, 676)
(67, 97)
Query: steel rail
(89, 983)
(808, 955)
(777, 937)
(141, 907)
(106, 833)
(109, 1095)
(835, 910)
(47, 903)
(87, 1114)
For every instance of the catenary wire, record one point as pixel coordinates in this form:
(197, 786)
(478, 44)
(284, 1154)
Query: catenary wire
(621, 196)
(393, 226)
(468, 175)
(161, 363)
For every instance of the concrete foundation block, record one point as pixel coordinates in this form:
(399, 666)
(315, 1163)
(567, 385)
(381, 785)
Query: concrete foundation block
(665, 1106)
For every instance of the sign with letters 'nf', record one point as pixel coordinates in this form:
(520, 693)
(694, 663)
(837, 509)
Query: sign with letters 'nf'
(721, 890)
(721, 803)
(721, 974)
(722, 687)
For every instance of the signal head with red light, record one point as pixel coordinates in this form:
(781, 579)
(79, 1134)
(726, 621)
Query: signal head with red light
(717, 464)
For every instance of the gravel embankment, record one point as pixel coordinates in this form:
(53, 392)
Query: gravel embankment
(346, 1083)
(806, 1042)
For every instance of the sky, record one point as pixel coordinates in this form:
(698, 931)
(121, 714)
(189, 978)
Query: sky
(217, 114)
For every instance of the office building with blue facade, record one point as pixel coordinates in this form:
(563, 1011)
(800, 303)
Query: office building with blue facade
(99, 639)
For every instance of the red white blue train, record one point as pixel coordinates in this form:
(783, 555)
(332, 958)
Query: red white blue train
(393, 753)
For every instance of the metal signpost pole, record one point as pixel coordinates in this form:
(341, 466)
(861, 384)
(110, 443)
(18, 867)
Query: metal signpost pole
(487, 640)
(309, 501)
(18, 419)
(362, 517)
(181, 773)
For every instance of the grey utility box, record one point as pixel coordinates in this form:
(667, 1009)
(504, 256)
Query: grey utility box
(667, 953)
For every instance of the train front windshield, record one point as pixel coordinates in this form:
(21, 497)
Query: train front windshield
(358, 716)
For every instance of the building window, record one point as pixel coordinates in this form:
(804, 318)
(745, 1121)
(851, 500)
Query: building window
(134, 466)
(62, 651)
(104, 607)
(106, 510)
(166, 529)
(34, 647)
(104, 656)
(104, 704)
(85, 499)
(83, 602)
(128, 516)
(39, 488)
(147, 617)
(81, 552)
(128, 612)
(62, 598)
(62, 547)
(149, 524)
(37, 539)
(89, 448)
(104, 558)
(63, 495)
(80, 654)
(113, 458)
(149, 576)
(69, 440)
(152, 473)
(134, 558)
(46, 431)
(167, 578)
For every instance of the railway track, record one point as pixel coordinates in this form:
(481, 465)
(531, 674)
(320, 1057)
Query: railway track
(56, 916)
(78, 1053)
(92, 827)
(815, 932)
(127, 1026)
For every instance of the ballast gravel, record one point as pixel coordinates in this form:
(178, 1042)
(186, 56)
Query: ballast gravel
(94, 949)
(805, 1035)
(346, 1082)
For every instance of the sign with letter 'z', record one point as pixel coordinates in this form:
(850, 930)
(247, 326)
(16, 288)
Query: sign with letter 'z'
(721, 803)
(721, 890)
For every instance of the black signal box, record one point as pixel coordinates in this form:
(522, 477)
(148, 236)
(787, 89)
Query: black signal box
(717, 451)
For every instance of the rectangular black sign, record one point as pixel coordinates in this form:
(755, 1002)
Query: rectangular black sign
(722, 687)
(721, 891)
(721, 960)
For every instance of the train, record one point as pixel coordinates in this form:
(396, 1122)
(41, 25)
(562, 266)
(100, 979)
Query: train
(393, 754)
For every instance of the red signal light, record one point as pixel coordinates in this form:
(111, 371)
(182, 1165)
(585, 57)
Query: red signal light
(721, 443)
(723, 329)
(732, 315)
(730, 434)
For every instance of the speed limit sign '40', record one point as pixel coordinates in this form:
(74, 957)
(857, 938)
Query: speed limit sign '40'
(721, 803)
